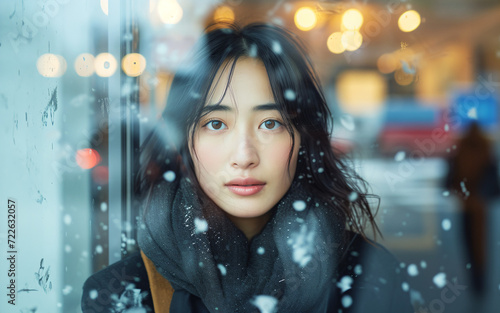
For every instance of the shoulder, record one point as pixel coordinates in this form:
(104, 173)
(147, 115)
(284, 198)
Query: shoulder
(112, 288)
(369, 278)
(368, 254)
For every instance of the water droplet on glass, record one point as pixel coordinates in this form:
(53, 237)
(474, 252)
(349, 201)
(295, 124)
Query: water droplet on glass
(104, 206)
(276, 47)
(169, 176)
(446, 193)
(222, 269)
(302, 243)
(290, 95)
(98, 249)
(412, 270)
(345, 283)
(200, 225)
(400, 156)
(299, 205)
(67, 290)
(446, 224)
(440, 280)
(320, 170)
(353, 196)
(358, 270)
(423, 264)
(405, 286)
(261, 250)
(93, 294)
(265, 303)
(346, 301)
(67, 219)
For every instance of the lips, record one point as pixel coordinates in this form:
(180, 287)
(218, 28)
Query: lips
(245, 186)
(245, 182)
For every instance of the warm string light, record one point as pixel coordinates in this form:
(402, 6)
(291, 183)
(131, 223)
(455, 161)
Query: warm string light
(409, 21)
(170, 11)
(51, 65)
(352, 19)
(305, 19)
(334, 43)
(350, 39)
(105, 64)
(133, 64)
(84, 65)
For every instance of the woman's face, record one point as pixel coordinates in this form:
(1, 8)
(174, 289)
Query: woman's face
(242, 146)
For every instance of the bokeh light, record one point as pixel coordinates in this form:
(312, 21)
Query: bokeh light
(334, 43)
(133, 64)
(87, 158)
(305, 19)
(409, 21)
(104, 6)
(224, 14)
(351, 40)
(51, 65)
(403, 78)
(84, 64)
(387, 63)
(170, 11)
(352, 19)
(105, 64)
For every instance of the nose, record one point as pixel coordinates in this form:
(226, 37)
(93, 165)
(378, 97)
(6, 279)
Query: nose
(245, 154)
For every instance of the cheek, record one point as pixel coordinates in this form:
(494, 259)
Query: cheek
(278, 157)
(211, 169)
(208, 157)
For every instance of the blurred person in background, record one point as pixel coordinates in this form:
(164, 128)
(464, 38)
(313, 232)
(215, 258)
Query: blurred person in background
(473, 177)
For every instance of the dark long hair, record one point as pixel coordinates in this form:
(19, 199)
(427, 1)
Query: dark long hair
(301, 102)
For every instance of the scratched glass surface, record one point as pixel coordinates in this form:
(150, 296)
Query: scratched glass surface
(82, 83)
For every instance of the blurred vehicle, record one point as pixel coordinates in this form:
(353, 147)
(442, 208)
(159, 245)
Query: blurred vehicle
(411, 127)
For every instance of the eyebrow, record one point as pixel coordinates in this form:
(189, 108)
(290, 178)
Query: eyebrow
(222, 107)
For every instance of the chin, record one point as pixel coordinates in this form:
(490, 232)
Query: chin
(247, 211)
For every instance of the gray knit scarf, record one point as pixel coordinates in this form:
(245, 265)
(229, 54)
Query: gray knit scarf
(287, 267)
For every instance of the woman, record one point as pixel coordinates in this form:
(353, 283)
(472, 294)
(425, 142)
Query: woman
(254, 211)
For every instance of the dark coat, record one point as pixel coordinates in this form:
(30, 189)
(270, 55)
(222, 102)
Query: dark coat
(376, 276)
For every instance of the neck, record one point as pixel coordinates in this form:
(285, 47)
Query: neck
(250, 226)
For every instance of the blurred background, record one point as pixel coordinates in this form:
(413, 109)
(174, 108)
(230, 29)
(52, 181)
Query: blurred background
(82, 82)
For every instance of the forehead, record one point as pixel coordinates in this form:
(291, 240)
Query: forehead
(249, 84)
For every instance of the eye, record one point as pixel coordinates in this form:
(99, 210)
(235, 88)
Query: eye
(270, 125)
(215, 125)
